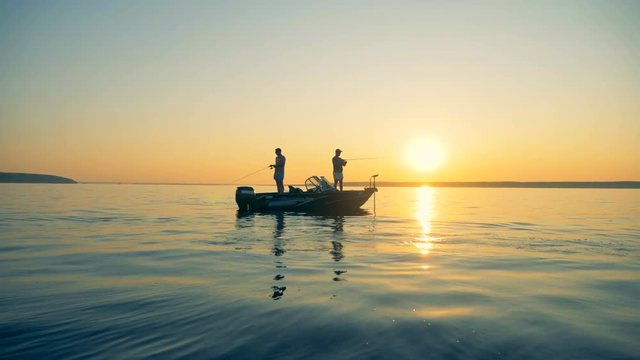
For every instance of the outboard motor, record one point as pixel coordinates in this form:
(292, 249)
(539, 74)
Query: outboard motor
(245, 196)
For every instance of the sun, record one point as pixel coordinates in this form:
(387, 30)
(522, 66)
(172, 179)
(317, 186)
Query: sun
(424, 155)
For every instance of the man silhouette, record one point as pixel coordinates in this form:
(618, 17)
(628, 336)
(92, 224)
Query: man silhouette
(338, 164)
(278, 172)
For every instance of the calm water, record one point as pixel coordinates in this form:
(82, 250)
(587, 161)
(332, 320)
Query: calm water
(136, 271)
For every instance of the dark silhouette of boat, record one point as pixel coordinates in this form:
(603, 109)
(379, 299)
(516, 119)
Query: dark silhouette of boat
(319, 196)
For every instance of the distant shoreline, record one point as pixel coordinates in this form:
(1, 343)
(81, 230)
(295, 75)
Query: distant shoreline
(512, 184)
(449, 184)
(28, 178)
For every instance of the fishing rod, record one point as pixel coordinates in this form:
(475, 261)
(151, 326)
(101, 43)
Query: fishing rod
(246, 176)
(265, 168)
(368, 158)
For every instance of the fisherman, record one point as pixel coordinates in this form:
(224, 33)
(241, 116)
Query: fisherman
(278, 172)
(338, 164)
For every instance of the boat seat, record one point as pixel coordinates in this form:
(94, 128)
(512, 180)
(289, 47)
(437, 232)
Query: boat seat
(294, 190)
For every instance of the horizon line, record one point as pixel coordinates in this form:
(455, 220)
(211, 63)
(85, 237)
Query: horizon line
(615, 184)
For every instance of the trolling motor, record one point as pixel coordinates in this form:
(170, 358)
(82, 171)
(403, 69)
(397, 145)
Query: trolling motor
(245, 198)
(372, 181)
(372, 185)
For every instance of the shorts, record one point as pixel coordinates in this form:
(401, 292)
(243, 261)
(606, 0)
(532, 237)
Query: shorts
(337, 176)
(278, 176)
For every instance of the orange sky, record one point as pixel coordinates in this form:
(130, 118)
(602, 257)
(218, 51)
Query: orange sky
(203, 93)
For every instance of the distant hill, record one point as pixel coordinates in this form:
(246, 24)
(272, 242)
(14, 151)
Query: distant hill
(6, 177)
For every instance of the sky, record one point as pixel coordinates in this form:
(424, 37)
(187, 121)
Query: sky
(204, 91)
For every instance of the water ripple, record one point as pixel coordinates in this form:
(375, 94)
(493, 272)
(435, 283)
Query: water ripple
(108, 271)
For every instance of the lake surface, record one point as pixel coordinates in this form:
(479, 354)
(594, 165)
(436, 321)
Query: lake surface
(155, 271)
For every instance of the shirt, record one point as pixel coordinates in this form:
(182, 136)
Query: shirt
(280, 161)
(338, 164)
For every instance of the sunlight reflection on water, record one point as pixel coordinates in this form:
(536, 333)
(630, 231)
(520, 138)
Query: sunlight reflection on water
(425, 214)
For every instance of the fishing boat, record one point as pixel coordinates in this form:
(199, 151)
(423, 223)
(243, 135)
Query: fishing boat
(318, 196)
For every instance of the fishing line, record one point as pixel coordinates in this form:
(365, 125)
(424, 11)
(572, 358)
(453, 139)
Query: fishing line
(368, 158)
(246, 176)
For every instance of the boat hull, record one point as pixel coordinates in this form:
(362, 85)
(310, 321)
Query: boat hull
(329, 201)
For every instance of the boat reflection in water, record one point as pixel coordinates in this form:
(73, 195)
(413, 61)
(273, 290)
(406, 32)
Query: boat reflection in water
(337, 247)
(282, 238)
(278, 251)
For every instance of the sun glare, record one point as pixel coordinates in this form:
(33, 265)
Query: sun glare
(424, 155)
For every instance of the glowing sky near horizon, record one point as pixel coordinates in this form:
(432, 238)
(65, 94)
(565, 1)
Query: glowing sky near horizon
(203, 91)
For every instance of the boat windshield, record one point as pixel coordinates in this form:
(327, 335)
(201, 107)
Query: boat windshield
(318, 184)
